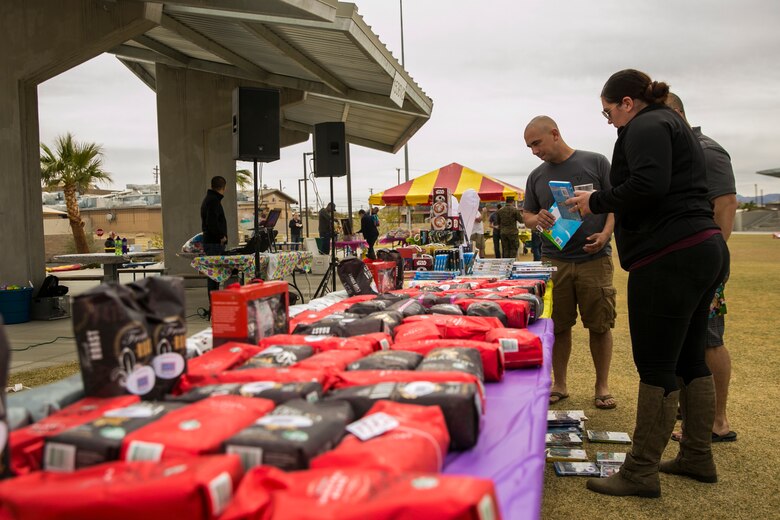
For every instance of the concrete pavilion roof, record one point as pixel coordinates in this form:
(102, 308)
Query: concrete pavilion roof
(322, 51)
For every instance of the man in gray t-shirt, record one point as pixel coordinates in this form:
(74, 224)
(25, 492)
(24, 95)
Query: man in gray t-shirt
(584, 277)
(722, 193)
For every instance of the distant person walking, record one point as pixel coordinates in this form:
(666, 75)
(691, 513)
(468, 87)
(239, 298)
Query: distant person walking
(493, 221)
(478, 235)
(369, 231)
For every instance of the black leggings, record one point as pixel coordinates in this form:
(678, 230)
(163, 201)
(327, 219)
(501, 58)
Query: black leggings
(668, 306)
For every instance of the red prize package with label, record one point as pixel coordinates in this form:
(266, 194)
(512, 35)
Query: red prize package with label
(250, 375)
(517, 311)
(392, 437)
(378, 340)
(322, 343)
(336, 308)
(460, 327)
(522, 348)
(26, 444)
(248, 313)
(193, 488)
(384, 274)
(197, 429)
(461, 403)
(224, 357)
(501, 292)
(332, 360)
(417, 330)
(537, 287)
(492, 355)
(358, 494)
(373, 377)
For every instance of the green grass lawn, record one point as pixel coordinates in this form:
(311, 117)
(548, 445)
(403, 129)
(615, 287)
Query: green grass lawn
(749, 485)
(749, 481)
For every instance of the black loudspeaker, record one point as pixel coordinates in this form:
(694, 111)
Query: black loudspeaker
(255, 124)
(331, 152)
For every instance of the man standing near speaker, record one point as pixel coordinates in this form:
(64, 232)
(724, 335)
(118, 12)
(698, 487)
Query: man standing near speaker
(326, 227)
(369, 230)
(213, 224)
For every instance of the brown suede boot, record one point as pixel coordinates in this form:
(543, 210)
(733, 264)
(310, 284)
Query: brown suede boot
(638, 476)
(697, 403)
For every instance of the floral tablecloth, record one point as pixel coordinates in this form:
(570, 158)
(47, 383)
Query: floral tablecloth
(219, 267)
(273, 266)
(282, 264)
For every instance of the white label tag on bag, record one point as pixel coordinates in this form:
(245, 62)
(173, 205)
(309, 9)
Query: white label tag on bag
(372, 426)
(508, 344)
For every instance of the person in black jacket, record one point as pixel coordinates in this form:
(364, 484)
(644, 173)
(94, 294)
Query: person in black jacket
(369, 230)
(213, 223)
(675, 254)
(326, 227)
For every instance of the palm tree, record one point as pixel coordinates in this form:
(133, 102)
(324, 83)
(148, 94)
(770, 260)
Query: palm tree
(73, 167)
(244, 179)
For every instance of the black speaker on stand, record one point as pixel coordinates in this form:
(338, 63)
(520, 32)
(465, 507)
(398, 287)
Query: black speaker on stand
(331, 159)
(256, 130)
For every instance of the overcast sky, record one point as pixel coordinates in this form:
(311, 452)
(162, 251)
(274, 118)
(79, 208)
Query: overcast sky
(489, 68)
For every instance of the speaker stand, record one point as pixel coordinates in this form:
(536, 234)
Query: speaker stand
(330, 273)
(257, 223)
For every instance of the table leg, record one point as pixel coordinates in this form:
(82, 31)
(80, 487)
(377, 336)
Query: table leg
(295, 286)
(110, 273)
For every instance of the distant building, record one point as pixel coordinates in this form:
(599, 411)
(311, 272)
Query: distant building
(136, 213)
(269, 199)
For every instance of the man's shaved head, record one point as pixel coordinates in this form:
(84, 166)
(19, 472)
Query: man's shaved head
(543, 123)
(544, 139)
(673, 101)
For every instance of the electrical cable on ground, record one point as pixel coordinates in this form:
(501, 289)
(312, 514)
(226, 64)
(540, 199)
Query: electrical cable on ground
(28, 347)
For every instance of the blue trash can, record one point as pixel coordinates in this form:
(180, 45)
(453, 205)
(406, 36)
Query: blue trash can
(15, 305)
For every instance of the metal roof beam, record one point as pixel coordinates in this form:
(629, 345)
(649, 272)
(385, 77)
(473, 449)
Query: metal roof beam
(296, 55)
(135, 54)
(409, 132)
(308, 9)
(140, 72)
(213, 47)
(349, 22)
(371, 100)
(163, 49)
(355, 97)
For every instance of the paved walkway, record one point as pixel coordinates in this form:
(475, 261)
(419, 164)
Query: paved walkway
(27, 339)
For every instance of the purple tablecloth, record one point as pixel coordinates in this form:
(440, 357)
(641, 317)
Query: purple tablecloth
(510, 450)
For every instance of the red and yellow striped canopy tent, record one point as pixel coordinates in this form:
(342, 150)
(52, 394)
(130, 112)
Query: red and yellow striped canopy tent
(458, 178)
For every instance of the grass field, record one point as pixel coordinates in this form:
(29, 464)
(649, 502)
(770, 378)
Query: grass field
(749, 480)
(749, 485)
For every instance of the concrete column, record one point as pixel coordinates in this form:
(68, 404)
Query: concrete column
(194, 114)
(194, 111)
(40, 40)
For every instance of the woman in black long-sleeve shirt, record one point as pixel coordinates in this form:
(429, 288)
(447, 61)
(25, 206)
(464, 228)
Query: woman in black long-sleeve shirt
(668, 241)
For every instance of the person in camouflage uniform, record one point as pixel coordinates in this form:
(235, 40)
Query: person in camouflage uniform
(508, 217)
